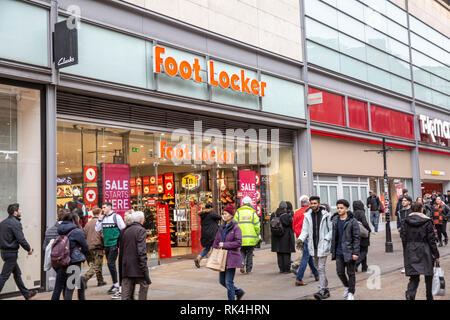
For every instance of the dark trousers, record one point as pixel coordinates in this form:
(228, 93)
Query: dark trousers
(71, 280)
(341, 266)
(11, 266)
(362, 259)
(414, 284)
(60, 283)
(129, 285)
(441, 230)
(247, 257)
(226, 279)
(111, 256)
(284, 261)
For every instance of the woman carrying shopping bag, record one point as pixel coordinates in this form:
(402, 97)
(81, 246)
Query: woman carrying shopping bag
(229, 237)
(420, 251)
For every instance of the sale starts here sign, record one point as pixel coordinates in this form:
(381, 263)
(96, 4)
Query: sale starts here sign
(116, 186)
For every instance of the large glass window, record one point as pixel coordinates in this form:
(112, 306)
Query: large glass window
(182, 184)
(20, 173)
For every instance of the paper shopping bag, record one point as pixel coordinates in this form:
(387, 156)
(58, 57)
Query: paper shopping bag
(217, 260)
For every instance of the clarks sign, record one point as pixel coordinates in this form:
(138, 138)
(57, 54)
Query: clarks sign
(238, 82)
(434, 128)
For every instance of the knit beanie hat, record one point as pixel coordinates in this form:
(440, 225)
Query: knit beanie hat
(230, 209)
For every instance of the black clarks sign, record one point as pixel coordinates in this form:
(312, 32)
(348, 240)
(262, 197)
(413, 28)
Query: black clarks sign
(65, 45)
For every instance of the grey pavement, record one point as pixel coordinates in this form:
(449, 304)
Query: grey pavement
(179, 279)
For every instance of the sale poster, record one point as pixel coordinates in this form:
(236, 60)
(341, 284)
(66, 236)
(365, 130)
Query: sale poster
(90, 196)
(196, 231)
(168, 183)
(247, 186)
(163, 227)
(116, 186)
(90, 174)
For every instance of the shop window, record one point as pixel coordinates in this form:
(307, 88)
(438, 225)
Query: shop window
(332, 110)
(390, 122)
(156, 181)
(358, 114)
(20, 173)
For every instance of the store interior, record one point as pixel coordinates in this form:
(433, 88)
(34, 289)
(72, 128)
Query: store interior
(81, 145)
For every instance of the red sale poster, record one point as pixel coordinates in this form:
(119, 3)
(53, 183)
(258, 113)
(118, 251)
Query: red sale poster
(163, 226)
(247, 185)
(168, 183)
(116, 186)
(196, 231)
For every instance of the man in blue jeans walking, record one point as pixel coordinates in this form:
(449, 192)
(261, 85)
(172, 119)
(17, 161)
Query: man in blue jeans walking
(374, 205)
(306, 260)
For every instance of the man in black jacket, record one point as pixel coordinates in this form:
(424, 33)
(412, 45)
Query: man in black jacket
(11, 236)
(133, 258)
(345, 246)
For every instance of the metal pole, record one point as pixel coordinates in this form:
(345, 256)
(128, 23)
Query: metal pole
(389, 246)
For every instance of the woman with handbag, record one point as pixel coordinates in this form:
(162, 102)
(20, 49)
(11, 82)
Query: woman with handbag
(79, 249)
(229, 237)
(360, 215)
(420, 252)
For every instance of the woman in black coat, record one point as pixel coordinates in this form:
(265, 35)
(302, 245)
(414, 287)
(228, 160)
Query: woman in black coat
(209, 225)
(284, 245)
(360, 214)
(420, 250)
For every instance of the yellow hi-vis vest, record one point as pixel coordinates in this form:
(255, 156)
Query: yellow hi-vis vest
(248, 221)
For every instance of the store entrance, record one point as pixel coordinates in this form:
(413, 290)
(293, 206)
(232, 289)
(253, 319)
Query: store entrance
(184, 190)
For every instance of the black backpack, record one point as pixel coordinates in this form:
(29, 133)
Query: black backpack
(276, 227)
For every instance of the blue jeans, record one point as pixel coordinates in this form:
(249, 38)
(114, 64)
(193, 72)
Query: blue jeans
(204, 252)
(306, 260)
(226, 279)
(374, 218)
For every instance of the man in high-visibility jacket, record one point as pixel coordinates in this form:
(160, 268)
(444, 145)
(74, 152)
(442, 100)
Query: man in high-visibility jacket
(249, 223)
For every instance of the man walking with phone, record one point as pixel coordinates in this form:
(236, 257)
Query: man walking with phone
(11, 236)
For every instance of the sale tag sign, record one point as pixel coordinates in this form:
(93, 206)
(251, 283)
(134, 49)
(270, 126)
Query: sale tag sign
(146, 190)
(116, 187)
(163, 228)
(168, 183)
(90, 195)
(146, 181)
(151, 202)
(133, 182)
(90, 174)
(247, 185)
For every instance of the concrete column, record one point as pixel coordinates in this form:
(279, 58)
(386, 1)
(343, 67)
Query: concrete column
(304, 160)
(417, 187)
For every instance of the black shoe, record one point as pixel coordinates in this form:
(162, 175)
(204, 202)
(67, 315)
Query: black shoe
(239, 296)
(242, 268)
(113, 289)
(31, 294)
(197, 264)
(440, 244)
(326, 294)
(318, 295)
(101, 284)
(446, 241)
(364, 270)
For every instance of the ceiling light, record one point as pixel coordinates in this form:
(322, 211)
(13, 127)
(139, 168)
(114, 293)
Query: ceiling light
(109, 142)
(62, 162)
(142, 146)
(79, 150)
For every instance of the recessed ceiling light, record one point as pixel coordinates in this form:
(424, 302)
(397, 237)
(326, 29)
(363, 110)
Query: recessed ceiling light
(62, 162)
(103, 146)
(142, 146)
(103, 156)
(79, 150)
(109, 142)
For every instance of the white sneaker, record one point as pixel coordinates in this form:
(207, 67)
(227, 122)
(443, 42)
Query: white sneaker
(345, 295)
(403, 270)
(350, 296)
(117, 295)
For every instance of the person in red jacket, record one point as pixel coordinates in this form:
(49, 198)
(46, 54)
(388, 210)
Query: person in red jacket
(297, 227)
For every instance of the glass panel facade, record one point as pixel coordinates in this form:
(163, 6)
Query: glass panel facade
(284, 97)
(20, 173)
(111, 56)
(23, 32)
(180, 86)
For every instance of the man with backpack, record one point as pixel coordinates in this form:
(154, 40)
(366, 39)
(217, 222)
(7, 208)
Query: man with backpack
(11, 236)
(111, 224)
(375, 207)
(283, 240)
(317, 230)
(248, 221)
